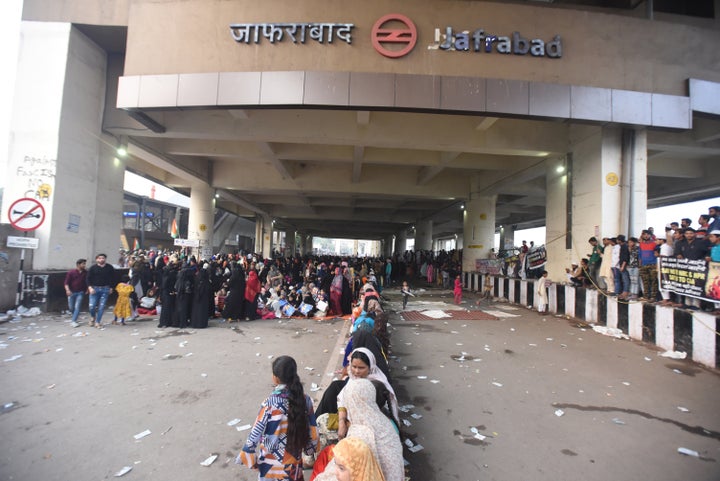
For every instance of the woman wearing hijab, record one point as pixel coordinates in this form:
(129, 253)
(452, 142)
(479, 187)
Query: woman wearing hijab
(354, 460)
(234, 308)
(363, 366)
(252, 289)
(202, 294)
(368, 422)
(346, 294)
(167, 293)
(328, 403)
(336, 291)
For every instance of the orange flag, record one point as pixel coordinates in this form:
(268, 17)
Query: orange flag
(173, 229)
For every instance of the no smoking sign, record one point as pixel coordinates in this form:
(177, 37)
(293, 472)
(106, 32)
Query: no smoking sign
(26, 214)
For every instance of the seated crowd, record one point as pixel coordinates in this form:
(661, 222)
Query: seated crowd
(186, 292)
(358, 416)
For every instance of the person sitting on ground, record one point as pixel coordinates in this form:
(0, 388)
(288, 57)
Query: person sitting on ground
(366, 421)
(364, 365)
(355, 461)
(371, 299)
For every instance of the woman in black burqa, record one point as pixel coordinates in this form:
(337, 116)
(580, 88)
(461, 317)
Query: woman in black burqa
(202, 294)
(235, 301)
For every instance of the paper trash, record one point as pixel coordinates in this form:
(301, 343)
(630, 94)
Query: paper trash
(142, 434)
(688, 452)
(416, 448)
(233, 422)
(244, 427)
(559, 412)
(209, 460)
(674, 354)
(123, 471)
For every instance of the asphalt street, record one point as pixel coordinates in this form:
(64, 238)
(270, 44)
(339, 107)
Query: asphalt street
(508, 396)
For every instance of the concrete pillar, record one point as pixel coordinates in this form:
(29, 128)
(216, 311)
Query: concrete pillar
(389, 246)
(299, 239)
(267, 244)
(634, 182)
(201, 218)
(557, 219)
(478, 230)
(605, 183)
(401, 242)
(57, 153)
(507, 236)
(356, 247)
(423, 235)
(258, 234)
(308, 245)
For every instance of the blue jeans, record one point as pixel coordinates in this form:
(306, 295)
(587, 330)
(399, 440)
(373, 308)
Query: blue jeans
(625, 275)
(74, 302)
(617, 278)
(97, 302)
(634, 273)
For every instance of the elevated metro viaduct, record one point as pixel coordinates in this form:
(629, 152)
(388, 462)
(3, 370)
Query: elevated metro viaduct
(365, 120)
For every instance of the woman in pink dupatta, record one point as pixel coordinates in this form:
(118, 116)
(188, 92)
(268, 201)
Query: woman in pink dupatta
(430, 272)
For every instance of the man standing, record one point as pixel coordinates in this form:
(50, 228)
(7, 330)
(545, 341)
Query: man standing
(648, 266)
(691, 248)
(594, 260)
(75, 288)
(622, 265)
(100, 279)
(714, 213)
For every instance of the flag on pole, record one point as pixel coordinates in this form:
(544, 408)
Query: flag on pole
(173, 229)
(136, 244)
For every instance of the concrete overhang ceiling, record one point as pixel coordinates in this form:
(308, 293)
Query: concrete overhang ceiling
(369, 174)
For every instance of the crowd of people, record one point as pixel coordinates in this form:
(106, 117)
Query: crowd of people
(354, 431)
(186, 292)
(354, 434)
(627, 267)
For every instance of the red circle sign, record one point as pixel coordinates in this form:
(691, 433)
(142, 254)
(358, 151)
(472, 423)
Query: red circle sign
(26, 214)
(407, 35)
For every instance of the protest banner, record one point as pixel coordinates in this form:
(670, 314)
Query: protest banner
(693, 278)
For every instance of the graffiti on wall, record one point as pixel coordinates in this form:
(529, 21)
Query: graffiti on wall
(35, 290)
(37, 176)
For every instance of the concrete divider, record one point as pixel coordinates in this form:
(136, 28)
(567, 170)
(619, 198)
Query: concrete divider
(671, 329)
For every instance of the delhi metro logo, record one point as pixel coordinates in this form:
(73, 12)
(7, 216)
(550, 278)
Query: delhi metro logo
(401, 31)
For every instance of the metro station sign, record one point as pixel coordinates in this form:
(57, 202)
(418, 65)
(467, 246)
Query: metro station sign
(395, 35)
(481, 41)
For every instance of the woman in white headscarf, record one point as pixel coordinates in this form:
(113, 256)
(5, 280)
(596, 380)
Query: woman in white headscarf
(364, 365)
(368, 423)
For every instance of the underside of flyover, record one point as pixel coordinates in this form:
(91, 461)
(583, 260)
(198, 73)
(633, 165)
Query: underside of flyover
(367, 173)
